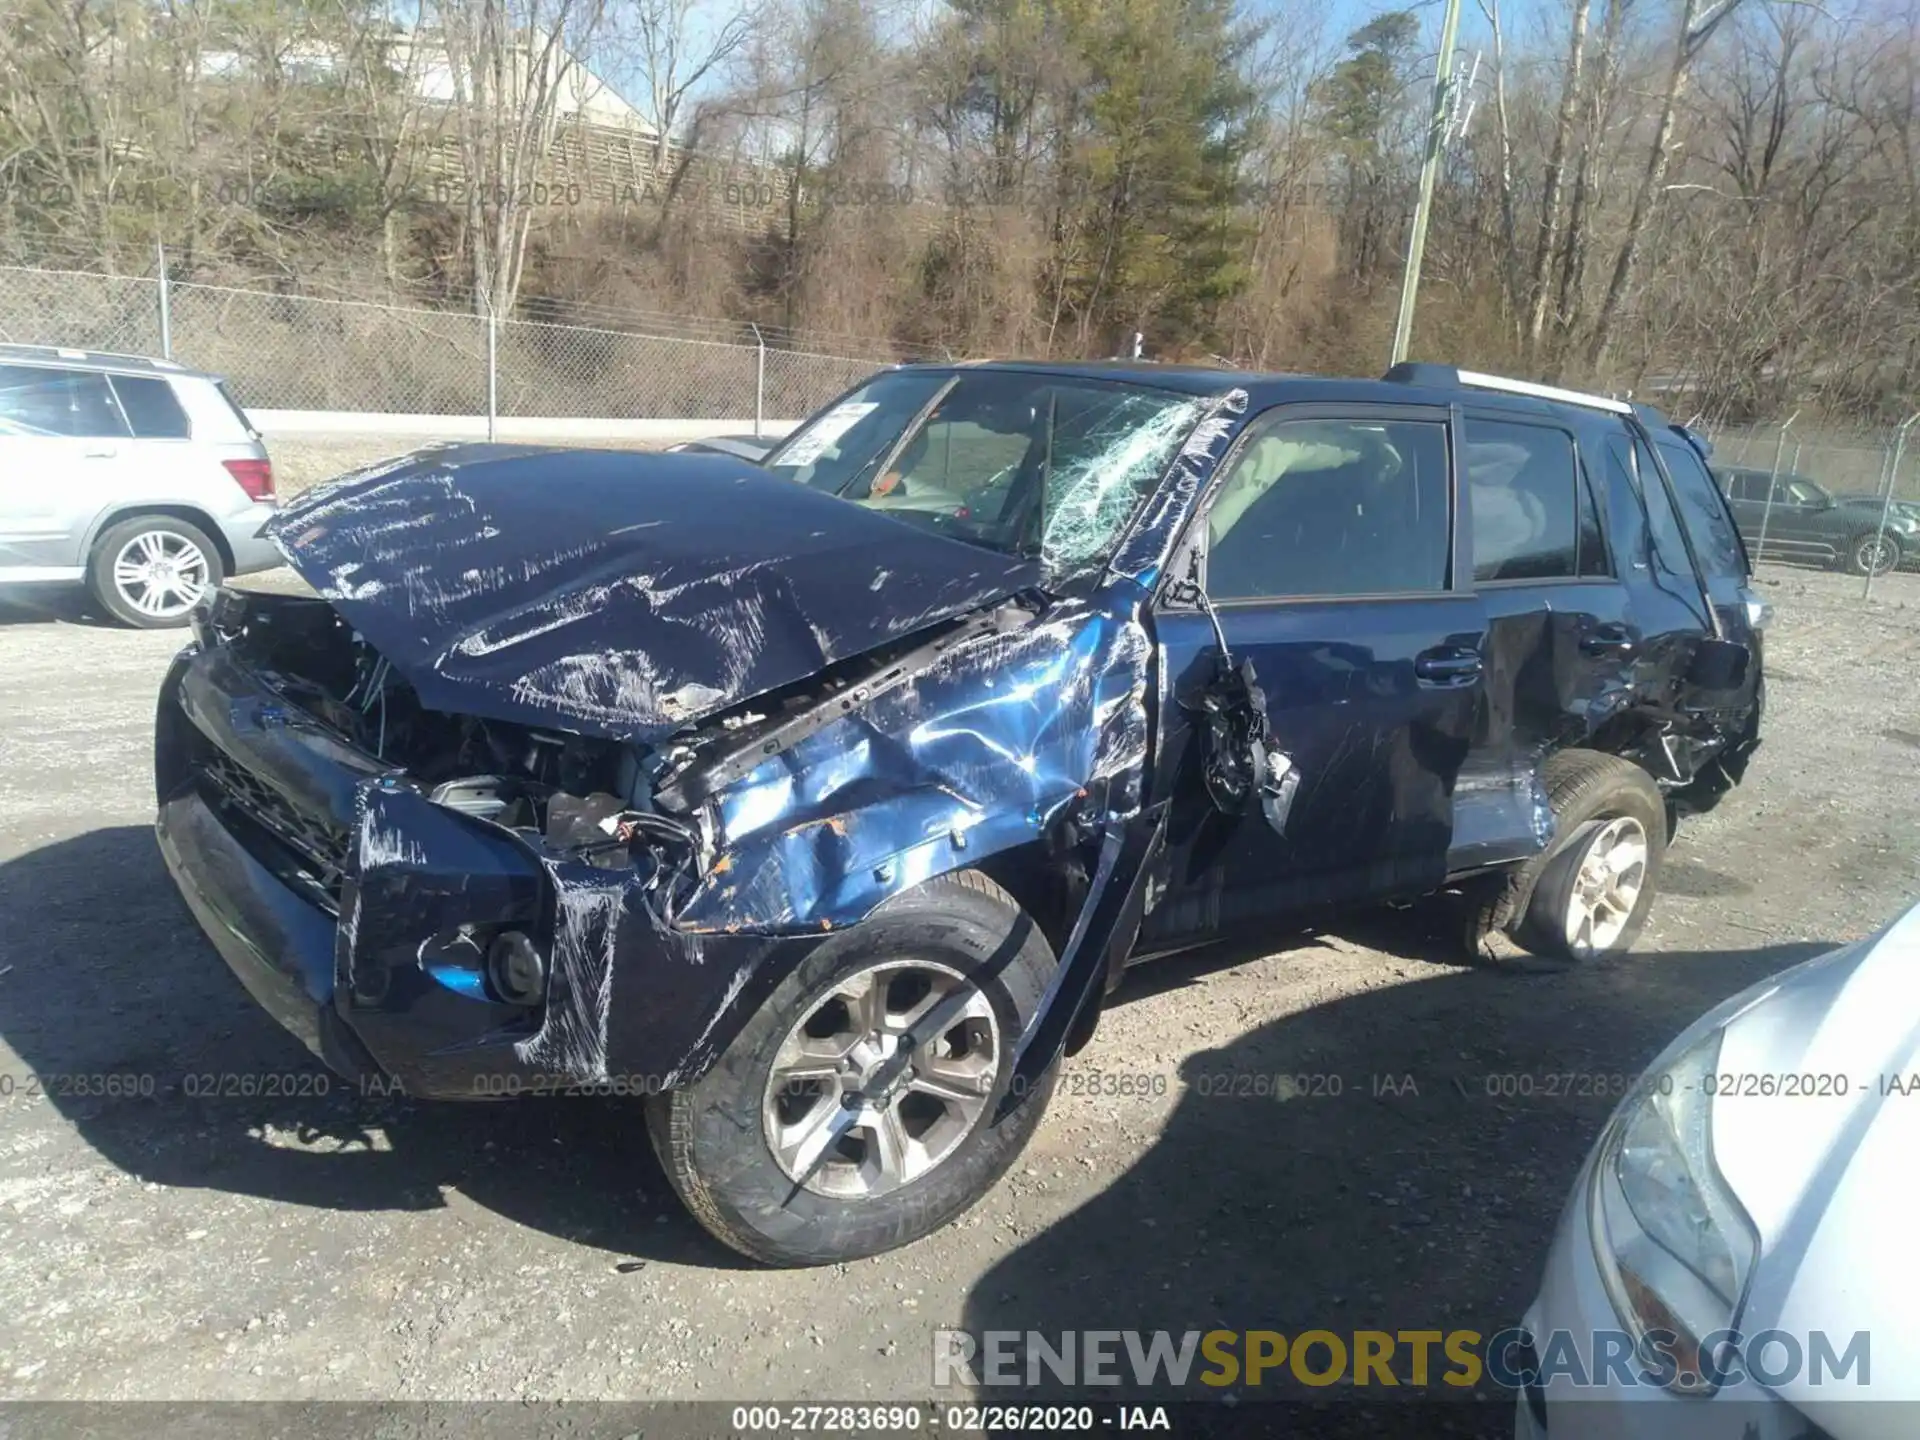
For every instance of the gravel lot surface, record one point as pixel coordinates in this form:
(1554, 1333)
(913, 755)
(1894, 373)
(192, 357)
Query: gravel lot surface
(335, 1246)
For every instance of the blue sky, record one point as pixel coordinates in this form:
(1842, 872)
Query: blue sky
(1333, 20)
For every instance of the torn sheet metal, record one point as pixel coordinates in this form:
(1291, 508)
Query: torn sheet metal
(429, 881)
(1004, 735)
(1501, 812)
(645, 593)
(1241, 762)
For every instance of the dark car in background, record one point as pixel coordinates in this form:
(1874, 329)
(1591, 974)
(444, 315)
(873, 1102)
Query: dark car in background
(1908, 510)
(1807, 523)
(817, 805)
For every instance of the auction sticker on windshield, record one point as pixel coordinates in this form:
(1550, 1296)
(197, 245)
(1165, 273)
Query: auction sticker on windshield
(826, 430)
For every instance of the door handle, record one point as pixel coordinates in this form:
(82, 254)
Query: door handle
(101, 452)
(1447, 665)
(1609, 640)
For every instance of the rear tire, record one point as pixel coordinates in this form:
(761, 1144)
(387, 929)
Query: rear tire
(746, 1145)
(1872, 554)
(149, 571)
(1605, 809)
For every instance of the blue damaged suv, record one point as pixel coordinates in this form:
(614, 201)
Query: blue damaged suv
(817, 804)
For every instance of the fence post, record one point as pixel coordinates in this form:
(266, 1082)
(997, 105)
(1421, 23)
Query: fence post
(1886, 501)
(1773, 481)
(166, 305)
(759, 381)
(493, 368)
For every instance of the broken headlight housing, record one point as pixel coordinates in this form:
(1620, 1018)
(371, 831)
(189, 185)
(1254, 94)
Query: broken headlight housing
(1673, 1244)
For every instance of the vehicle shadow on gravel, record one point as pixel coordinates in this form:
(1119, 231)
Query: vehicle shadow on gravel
(1441, 1192)
(51, 605)
(104, 974)
(1422, 1195)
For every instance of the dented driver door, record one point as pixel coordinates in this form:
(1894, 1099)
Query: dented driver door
(1326, 554)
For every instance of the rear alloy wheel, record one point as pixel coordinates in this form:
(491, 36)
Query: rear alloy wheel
(1873, 554)
(1608, 877)
(859, 1108)
(152, 570)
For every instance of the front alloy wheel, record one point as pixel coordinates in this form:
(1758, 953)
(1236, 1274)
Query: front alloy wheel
(882, 1080)
(859, 1106)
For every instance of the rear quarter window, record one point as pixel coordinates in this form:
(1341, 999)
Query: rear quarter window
(214, 414)
(1715, 540)
(151, 408)
(1631, 466)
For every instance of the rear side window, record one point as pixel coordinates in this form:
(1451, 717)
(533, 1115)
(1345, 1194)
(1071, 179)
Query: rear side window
(1533, 514)
(42, 400)
(151, 408)
(1715, 540)
(1332, 508)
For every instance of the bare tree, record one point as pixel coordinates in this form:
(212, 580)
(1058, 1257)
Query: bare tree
(389, 124)
(1596, 122)
(516, 71)
(71, 84)
(677, 46)
(1698, 21)
(1548, 237)
(1503, 137)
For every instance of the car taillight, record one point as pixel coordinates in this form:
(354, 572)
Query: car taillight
(253, 476)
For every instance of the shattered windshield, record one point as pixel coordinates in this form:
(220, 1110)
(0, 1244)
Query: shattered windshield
(1027, 464)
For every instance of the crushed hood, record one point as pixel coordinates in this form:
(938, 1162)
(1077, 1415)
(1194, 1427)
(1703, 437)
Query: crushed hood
(618, 593)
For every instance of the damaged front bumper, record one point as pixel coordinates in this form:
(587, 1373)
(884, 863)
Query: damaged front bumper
(360, 913)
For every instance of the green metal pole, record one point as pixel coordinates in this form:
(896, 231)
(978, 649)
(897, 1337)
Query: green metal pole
(1429, 168)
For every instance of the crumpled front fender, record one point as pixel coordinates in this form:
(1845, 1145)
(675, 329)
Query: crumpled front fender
(1039, 731)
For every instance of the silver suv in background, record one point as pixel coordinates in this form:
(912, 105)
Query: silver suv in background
(140, 478)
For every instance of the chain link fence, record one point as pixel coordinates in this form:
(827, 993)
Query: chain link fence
(1809, 495)
(302, 353)
(94, 312)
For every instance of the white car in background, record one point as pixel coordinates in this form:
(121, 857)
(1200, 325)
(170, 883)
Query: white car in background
(139, 478)
(1764, 1177)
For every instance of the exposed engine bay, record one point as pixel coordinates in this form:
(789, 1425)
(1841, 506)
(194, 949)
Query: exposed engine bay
(604, 802)
(584, 795)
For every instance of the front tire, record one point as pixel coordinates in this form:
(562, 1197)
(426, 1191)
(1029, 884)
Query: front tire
(149, 571)
(855, 1111)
